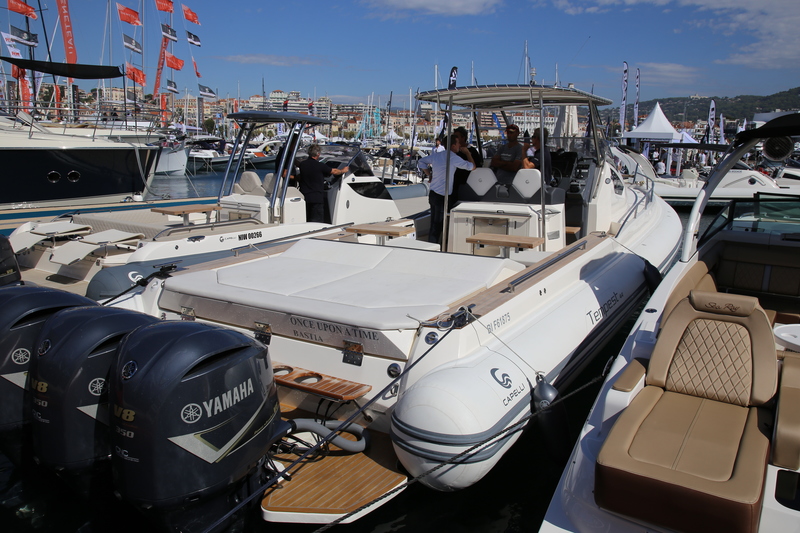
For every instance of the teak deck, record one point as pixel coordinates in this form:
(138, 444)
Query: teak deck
(338, 483)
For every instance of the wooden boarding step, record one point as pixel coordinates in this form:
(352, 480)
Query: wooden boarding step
(328, 487)
(329, 387)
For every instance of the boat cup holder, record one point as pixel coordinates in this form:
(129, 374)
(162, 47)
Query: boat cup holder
(283, 370)
(308, 378)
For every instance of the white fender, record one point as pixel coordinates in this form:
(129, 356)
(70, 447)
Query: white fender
(455, 407)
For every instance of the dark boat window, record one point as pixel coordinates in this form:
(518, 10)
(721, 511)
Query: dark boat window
(375, 190)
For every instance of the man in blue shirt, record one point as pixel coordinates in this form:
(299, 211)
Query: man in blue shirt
(440, 180)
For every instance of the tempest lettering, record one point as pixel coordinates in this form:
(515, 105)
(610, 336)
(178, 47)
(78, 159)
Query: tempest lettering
(498, 322)
(599, 314)
(228, 399)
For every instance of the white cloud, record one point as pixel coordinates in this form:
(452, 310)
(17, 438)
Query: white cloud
(767, 30)
(448, 7)
(669, 74)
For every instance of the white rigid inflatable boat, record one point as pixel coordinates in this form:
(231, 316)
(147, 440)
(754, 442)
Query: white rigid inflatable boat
(443, 349)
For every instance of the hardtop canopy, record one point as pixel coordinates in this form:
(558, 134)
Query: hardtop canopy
(511, 96)
(272, 117)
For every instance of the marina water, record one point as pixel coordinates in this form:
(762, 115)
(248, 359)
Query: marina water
(513, 497)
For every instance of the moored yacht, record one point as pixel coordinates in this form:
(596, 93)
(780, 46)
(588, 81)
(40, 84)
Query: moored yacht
(438, 353)
(251, 209)
(696, 426)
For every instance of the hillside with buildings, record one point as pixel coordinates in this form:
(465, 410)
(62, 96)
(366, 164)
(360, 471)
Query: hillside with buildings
(691, 109)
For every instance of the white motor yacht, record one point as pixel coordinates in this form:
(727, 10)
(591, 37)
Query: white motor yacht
(438, 354)
(696, 426)
(68, 251)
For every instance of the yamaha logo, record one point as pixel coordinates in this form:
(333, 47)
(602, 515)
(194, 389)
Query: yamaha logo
(191, 413)
(45, 347)
(97, 386)
(504, 380)
(129, 370)
(21, 356)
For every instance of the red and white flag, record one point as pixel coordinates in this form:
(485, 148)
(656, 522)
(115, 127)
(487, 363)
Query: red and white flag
(196, 72)
(67, 31)
(164, 5)
(172, 61)
(135, 74)
(128, 15)
(18, 6)
(190, 15)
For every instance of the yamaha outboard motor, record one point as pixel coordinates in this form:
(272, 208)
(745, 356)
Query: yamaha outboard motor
(194, 411)
(77, 348)
(9, 268)
(23, 312)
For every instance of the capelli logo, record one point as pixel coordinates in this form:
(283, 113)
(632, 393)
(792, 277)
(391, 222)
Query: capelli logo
(504, 380)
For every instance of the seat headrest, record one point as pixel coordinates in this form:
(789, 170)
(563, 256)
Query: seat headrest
(721, 303)
(249, 180)
(481, 180)
(527, 181)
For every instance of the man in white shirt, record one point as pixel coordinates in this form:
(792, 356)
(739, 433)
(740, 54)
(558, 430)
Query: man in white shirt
(439, 180)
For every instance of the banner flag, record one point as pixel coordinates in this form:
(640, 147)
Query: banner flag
(624, 103)
(172, 86)
(131, 44)
(161, 53)
(721, 129)
(70, 51)
(636, 103)
(164, 5)
(172, 61)
(13, 51)
(712, 120)
(206, 91)
(196, 72)
(24, 37)
(193, 39)
(128, 15)
(134, 74)
(453, 76)
(169, 33)
(190, 15)
(18, 6)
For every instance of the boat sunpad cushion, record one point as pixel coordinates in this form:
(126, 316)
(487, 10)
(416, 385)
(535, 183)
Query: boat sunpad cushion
(73, 251)
(357, 284)
(60, 228)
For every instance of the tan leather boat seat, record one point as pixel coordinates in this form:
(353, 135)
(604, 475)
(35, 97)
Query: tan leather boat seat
(690, 451)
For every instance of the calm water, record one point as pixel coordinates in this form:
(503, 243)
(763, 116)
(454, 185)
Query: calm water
(513, 497)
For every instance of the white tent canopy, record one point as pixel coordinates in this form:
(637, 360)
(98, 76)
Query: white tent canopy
(655, 127)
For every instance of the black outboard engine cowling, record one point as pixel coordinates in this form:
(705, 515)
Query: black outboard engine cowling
(23, 312)
(9, 268)
(194, 410)
(77, 348)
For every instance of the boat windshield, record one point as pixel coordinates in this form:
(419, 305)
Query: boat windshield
(340, 156)
(762, 214)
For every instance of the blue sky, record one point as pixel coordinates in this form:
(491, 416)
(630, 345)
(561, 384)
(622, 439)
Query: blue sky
(352, 49)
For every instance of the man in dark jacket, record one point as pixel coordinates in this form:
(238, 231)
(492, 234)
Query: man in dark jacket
(312, 183)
